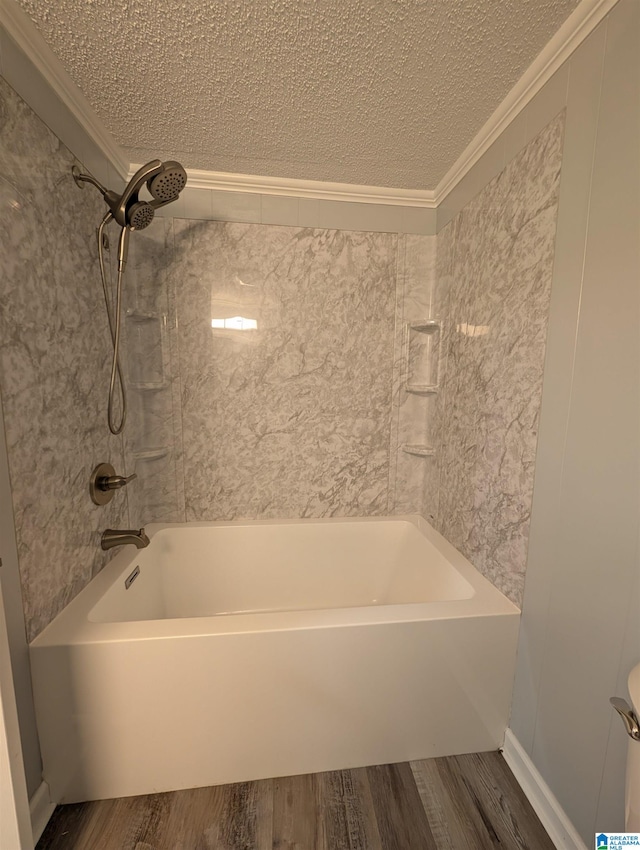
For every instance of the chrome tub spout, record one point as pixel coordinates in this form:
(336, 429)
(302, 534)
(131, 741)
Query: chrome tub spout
(120, 537)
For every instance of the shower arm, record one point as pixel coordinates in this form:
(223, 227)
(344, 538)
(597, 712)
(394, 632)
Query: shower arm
(81, 178)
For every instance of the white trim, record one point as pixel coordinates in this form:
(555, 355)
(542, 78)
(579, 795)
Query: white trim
(223, 181)
(584, 19)
(26, 35)
(41, 809)
(581, 23)
(561, 831)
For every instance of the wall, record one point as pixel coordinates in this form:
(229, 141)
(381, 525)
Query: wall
(298, 417)
(54, 369)
(580, 632)
(495, 261)
(565, 661)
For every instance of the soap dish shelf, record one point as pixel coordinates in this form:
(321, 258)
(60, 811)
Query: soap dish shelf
(419, 450)
(425, 326)
(421, 368)
(421, 389)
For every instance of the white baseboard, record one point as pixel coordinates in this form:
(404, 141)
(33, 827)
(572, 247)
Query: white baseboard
(561, 831)
(41, 809)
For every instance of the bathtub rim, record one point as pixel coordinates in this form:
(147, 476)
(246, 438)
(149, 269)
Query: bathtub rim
(73, 627)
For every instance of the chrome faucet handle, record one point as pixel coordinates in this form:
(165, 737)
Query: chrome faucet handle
(626, 712)
(104, 481)
(114, 482)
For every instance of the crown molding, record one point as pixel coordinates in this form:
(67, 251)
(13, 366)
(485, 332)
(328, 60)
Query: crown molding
(583, 20)
(23, 31)
(580, 23)
(222, 181)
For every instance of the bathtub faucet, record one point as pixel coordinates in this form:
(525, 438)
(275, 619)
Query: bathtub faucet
(120, 537)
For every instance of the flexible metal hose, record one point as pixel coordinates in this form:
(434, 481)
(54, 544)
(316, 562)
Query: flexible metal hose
(114, 328)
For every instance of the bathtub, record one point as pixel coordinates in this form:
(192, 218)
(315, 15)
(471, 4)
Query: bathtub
(226, 652)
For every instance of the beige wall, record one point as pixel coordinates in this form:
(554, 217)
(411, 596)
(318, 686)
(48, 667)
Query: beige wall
(580, 632)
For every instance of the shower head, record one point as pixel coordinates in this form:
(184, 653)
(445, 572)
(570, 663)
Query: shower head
(140, 215)
(164, 180)
(167, 184)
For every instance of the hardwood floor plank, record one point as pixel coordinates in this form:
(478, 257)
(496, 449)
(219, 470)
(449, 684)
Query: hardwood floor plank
(501, 802)
(458, 803)
(65, 823)
(400, 815)
(242, 819)
(152, 813)
(185, 827)
(447, 808)
(347, 812)
(297, 824)
(108, 823)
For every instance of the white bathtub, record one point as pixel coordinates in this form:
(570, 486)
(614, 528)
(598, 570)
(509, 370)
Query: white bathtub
(256, 649)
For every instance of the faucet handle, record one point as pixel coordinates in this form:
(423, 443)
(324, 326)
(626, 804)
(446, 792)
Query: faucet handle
(630, 720)
(114, 482)
(104, 481)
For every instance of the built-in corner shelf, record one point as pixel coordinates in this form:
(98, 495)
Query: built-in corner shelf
(427, 326)
(419, 451)
(421, 363)
(421, 356)
(151, 454)
(421, 389)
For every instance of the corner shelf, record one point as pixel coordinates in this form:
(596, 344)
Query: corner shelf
(421, 361)
(419, 450)
(421, 356)
(427, 326)
(421, 389)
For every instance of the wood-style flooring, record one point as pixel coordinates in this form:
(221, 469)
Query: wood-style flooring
(469, 802)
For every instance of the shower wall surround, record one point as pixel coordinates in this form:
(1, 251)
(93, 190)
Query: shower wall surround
(307, 414)
(495, 262)
(304, 414)
(292, 417)
(54, 363)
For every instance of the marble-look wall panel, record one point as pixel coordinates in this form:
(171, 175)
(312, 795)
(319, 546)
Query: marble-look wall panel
(495, 261)
(290, 418)
(54, 363)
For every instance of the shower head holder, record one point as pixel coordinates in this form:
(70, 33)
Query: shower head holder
(164, 181)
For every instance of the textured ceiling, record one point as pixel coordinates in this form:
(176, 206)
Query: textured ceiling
(378, 92)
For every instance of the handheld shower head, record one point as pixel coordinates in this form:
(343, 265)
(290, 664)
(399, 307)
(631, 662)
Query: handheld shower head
(167, 184)
(165, 181)
(127, 209)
